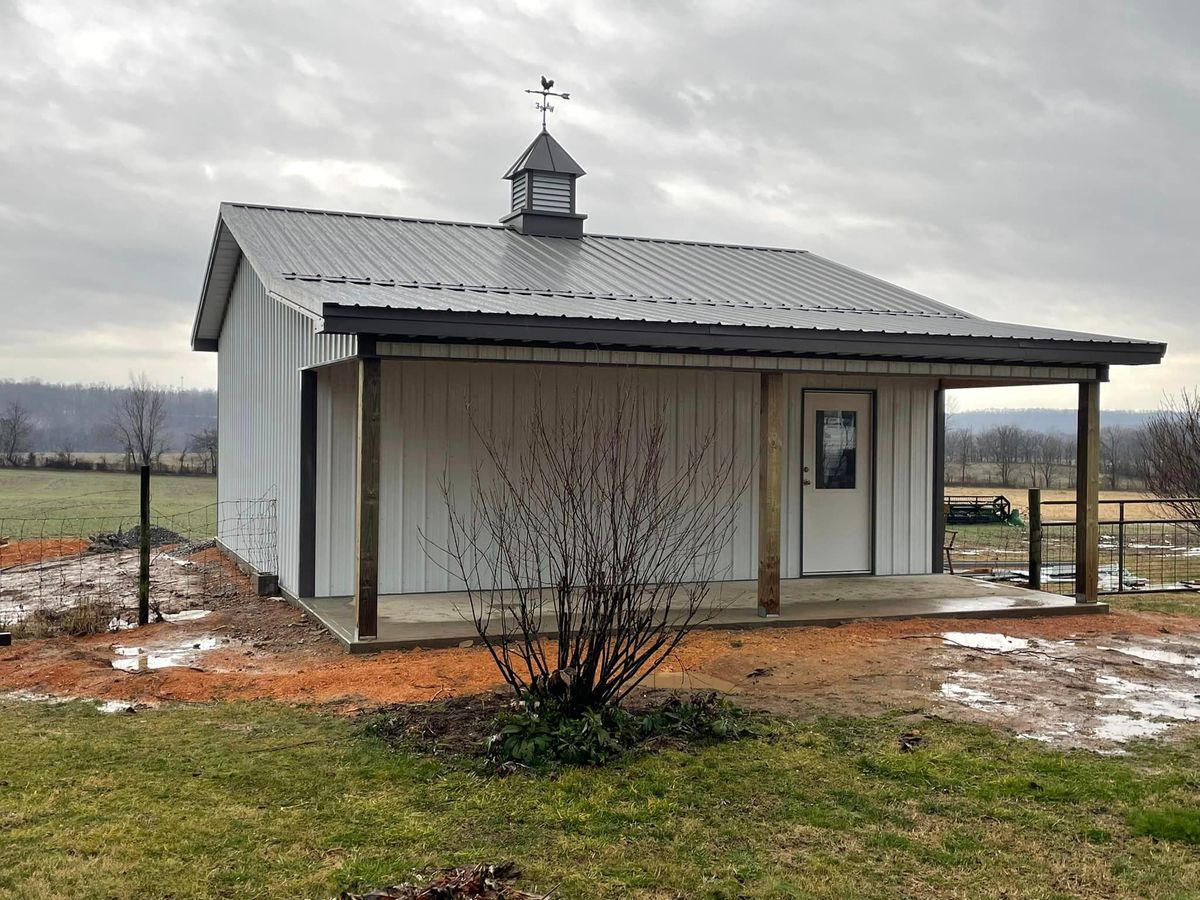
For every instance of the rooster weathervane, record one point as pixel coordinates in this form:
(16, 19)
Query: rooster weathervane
(544, 106)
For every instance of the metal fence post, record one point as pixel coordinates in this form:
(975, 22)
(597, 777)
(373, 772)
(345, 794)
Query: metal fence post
(1035, 539)
(1121, 547)
(144, 542)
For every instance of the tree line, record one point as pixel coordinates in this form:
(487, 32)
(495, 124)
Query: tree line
(1012, 456)
(136, 422)
(1161, 455)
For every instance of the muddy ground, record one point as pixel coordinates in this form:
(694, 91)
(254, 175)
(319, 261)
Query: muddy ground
(1090, 681)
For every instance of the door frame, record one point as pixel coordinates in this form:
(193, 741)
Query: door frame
(874, 444)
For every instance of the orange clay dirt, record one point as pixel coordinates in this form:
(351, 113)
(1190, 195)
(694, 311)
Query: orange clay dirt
(15, 553)
(249, 647)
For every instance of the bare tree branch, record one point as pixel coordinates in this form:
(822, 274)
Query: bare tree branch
(588, 542)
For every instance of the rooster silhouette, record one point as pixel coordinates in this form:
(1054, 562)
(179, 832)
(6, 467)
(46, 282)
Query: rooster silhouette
(547, 83)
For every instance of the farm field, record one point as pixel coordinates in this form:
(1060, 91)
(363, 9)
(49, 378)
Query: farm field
(37, 502)
(1019, 497)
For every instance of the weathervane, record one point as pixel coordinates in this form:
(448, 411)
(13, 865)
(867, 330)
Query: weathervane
(545, 107)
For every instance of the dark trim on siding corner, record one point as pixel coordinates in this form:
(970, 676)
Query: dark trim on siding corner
(207, 345)
(938, 488)
(307, 577)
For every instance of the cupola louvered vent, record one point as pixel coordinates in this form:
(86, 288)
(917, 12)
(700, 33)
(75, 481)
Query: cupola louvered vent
(543, 191)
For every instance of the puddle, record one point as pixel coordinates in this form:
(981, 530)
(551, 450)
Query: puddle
(1118, 728)
(143, 659)
(982, 640)
(1071, 693)
(1152, 700)
(1153, 654)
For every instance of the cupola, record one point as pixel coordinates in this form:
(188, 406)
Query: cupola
(543, 183)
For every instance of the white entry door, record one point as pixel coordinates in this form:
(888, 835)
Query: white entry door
(837, 505)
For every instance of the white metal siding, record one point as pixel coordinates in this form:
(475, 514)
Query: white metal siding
(426, 436)
(263, 346)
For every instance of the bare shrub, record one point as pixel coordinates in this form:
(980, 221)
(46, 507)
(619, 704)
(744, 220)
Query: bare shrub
(587, 552)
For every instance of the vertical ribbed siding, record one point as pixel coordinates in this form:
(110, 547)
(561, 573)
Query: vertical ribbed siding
(263, 347)
(427, 436)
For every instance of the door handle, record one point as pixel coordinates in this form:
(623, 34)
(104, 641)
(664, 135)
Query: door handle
(806, 481)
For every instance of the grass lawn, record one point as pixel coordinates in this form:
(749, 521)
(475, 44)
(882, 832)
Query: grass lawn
(34, 500)
(1182, 603)
(256, 800)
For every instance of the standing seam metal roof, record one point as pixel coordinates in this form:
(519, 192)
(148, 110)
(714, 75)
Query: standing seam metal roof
(314, 258)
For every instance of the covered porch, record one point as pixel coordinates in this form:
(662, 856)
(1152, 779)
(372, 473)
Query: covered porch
(444, 619)
(372, 612)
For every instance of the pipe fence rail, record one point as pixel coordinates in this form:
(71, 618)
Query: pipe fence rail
(1145, 546)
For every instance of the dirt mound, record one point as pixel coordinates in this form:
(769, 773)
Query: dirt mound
(131, 538)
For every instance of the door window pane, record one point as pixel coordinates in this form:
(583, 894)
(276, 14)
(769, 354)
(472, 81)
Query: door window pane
(837, 446)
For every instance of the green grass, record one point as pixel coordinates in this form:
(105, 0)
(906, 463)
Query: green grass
(256, 800)
(49, 502)
(1182, 603)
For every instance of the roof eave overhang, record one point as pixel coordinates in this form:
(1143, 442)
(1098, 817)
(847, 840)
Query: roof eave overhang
(493, 328)
(218, 282)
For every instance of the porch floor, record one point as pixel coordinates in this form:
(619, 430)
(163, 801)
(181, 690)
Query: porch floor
(443, 619)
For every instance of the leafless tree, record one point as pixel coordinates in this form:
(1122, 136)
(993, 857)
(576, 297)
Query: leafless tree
(16, 430)
(960, 444)
(1120, 447)
(1170, 452)
(1003, 445)
(1048, 450)
(587, 552)
(204, 444)
(138, 420)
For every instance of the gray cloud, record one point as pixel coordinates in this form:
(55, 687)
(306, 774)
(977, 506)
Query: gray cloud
(1028, 161)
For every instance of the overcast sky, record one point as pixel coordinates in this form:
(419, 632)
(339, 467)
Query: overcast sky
(1028, 161)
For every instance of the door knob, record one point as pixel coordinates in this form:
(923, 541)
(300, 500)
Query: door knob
(806, 481)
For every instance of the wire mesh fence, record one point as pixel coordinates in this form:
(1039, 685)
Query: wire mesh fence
(79, 574)
(1143, 547)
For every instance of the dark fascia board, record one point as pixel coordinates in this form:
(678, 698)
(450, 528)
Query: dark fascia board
(680, 337)
(212, 255)
(222, 237)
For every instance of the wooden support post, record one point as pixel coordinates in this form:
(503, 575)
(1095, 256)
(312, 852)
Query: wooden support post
(366, 502)
(938, 511)
(1035, 539)
(770, 482)
(1087, 495)
(144, 548)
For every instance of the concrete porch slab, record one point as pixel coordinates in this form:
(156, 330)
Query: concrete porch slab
(440, 620)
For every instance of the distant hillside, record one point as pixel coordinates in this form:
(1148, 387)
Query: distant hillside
(1045, 420)
(79, 416)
